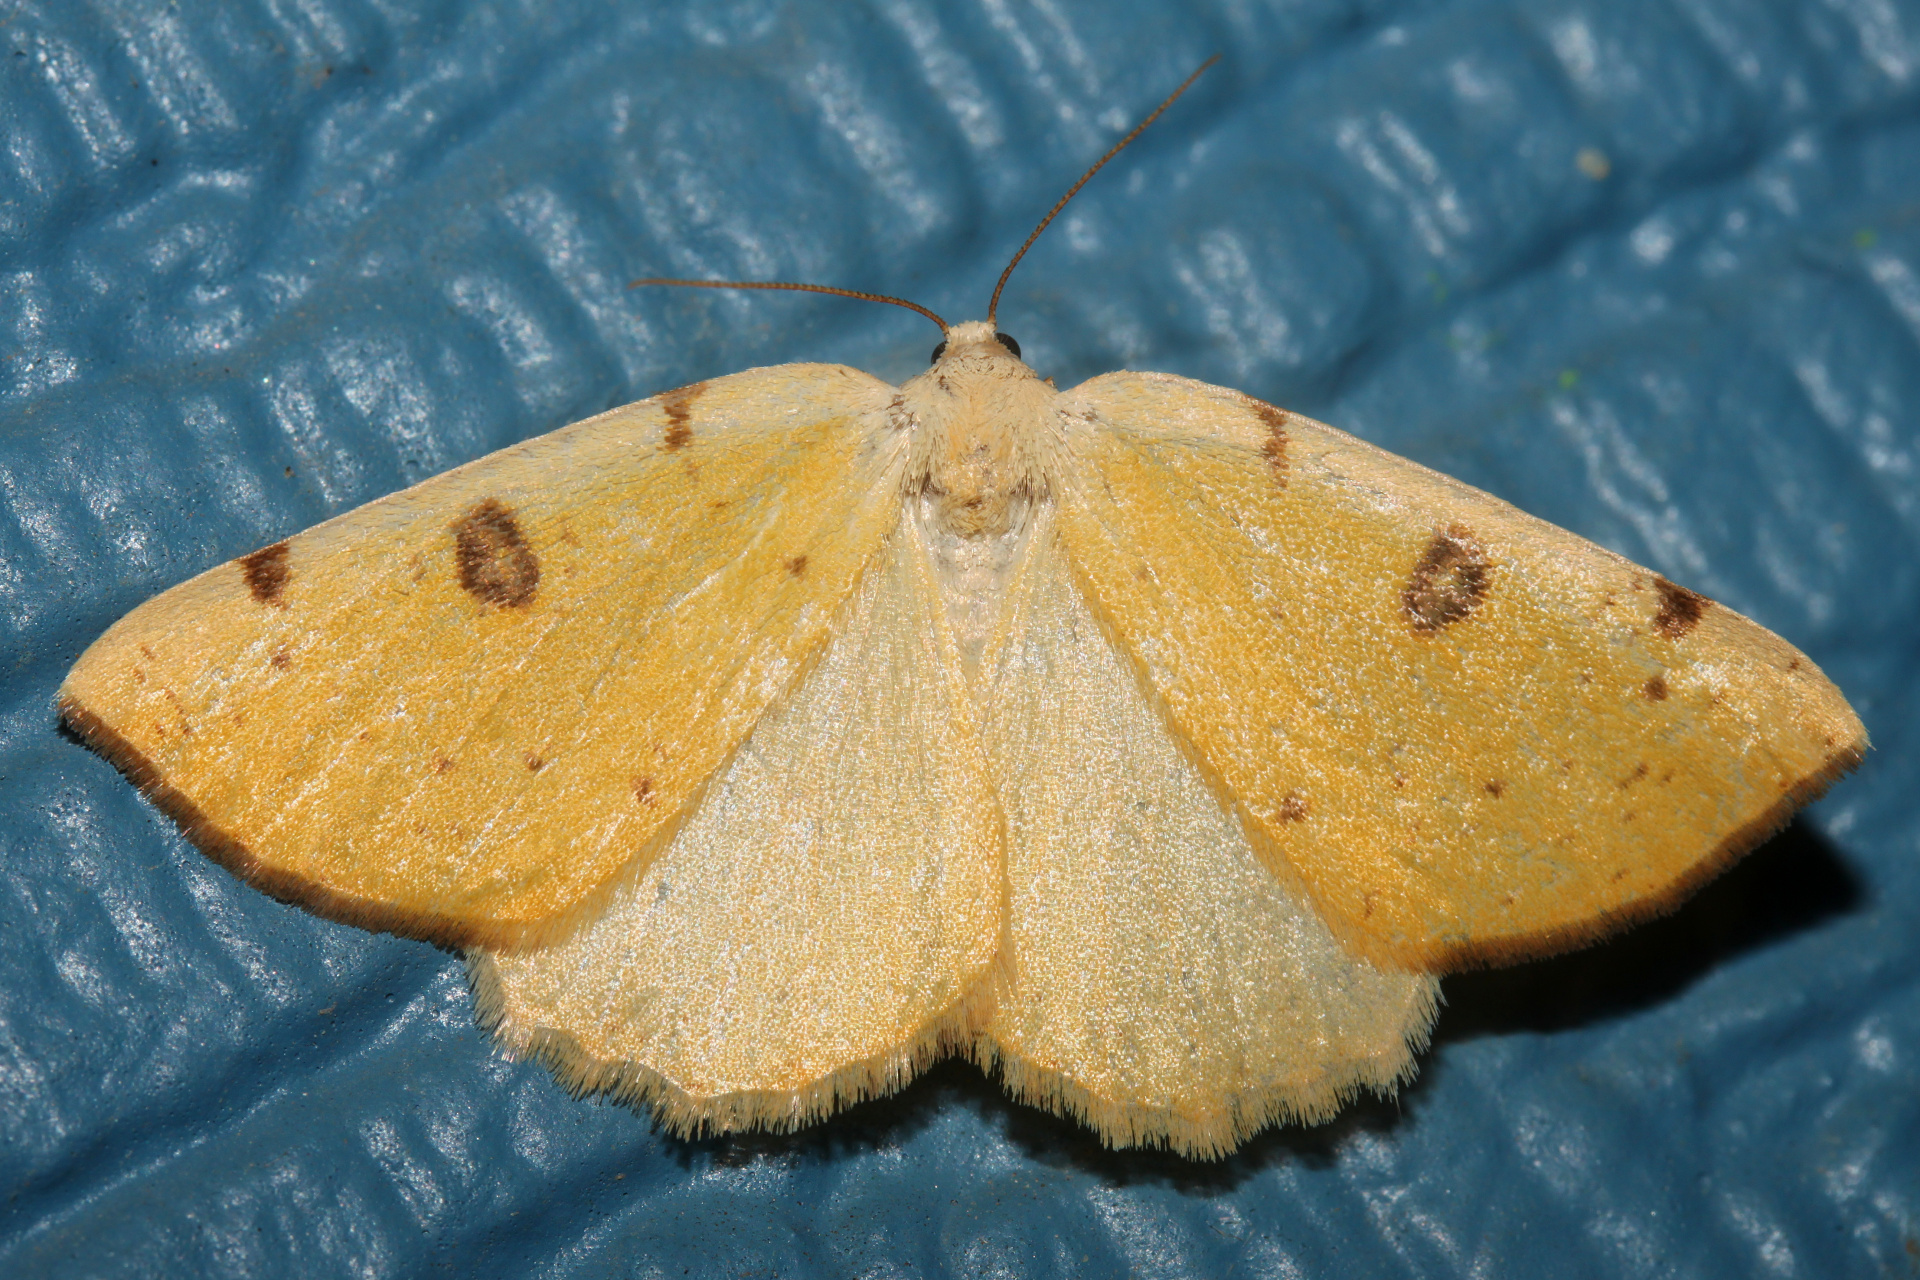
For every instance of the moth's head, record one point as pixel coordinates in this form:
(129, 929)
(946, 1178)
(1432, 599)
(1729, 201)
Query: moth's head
(975, 340)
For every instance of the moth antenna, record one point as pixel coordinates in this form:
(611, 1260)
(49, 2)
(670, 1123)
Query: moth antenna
(993, 306)
(804, 288)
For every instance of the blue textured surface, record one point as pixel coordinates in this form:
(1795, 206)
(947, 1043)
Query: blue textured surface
(260, 262)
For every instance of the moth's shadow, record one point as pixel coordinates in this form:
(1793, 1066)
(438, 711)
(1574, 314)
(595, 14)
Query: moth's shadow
(1789, 884)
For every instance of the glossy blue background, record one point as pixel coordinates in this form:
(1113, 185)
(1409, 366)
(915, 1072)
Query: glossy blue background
(261, 261)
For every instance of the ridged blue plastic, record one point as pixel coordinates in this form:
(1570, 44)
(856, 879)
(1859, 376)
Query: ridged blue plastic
(1648, 268)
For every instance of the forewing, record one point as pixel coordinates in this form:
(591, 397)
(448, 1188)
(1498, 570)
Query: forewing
(807, 937)
(1470, 736)
(463, 711)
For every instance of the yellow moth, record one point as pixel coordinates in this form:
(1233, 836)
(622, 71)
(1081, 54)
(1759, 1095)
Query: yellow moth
(767, 739)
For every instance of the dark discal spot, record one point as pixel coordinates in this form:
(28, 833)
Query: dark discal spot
(266, 572)
(1639, 772)
(643, 790)
(1496, 787)
(496, 564)
(1274, 447)
(678, 406)
(1793, 665)
(797, 566)
(1680, 609)
(534, 763)
(1449, 582)
(442, 765)
(1294, 807)
(1655, 689)
(280, 659)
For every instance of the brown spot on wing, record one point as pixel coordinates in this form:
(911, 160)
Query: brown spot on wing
(643, 790)
(266, 572)
(797, 566)
(496, 565)
(678, 406)
(1448, 583)
(1655, 690)
(1294, 807)
(1680, 609)
(1496, 787)
(1274, 447)
(280, 659)
(534, 763)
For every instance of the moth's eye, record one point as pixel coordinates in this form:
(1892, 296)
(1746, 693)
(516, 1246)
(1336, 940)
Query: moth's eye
(938, 352)
(1008, 343)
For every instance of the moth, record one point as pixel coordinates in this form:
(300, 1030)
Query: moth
(1157, 748)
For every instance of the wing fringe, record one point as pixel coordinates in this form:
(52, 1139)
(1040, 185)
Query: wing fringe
(1220, 1129)
(1495, 953)
(689, 1116)
(222, 847)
